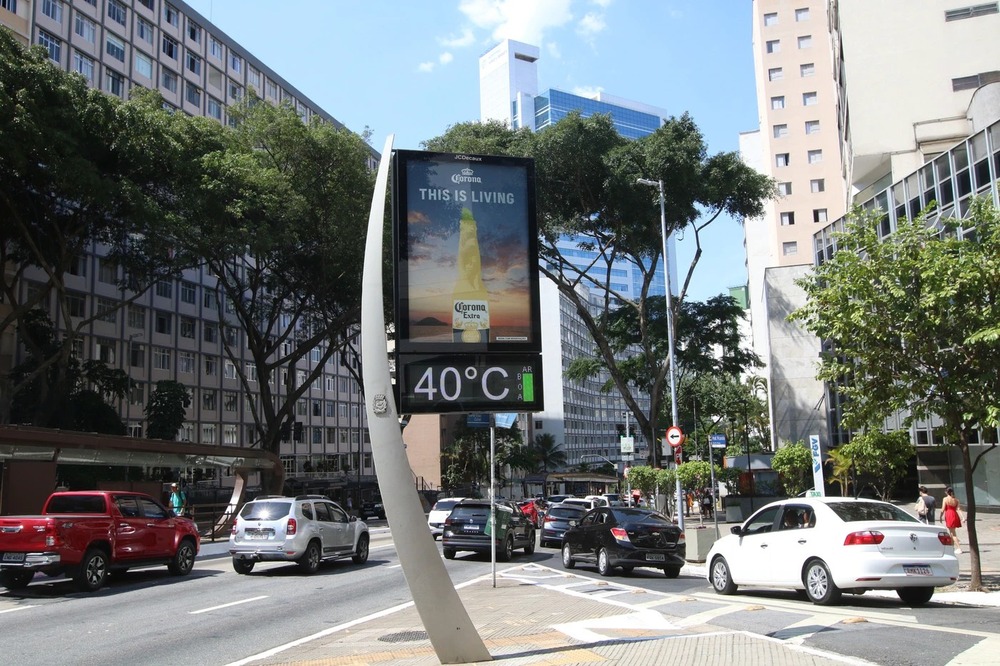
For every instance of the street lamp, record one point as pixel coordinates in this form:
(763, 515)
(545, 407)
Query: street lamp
(670, 336)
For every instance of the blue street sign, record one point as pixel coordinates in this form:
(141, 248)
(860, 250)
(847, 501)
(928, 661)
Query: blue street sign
(480, 420)
(717, 441)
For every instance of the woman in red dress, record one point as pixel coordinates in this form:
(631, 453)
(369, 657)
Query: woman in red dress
(951, 518)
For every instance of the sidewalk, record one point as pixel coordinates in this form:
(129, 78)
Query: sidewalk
(543, 615)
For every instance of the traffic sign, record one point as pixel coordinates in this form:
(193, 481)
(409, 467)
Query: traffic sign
(628, 444)
(675, 436)
(717, 441)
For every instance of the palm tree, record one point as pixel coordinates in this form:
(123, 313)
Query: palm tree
(548, 453)
(842, 468)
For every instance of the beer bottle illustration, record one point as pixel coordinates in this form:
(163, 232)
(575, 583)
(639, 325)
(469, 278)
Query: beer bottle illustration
(471, 311)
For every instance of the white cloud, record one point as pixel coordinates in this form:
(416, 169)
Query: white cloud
(603, 4)
(445, 58)
(553, 50)
(463, 40)
(425, 67)
(523, 20)
(588, 91)
(591, 24)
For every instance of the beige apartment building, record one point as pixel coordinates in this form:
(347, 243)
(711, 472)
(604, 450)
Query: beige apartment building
(856, 99)
(172, 332)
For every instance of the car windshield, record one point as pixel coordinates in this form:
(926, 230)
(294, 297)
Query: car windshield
(640, 516)
(852, 512)
(269, 510)
(445, 505)
(77, 504)
(564, 512)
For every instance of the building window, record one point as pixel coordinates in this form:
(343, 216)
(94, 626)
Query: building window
(230, 401)
(807, 69)
(115, 48)
(805, 41)
(775, 74)
(115, 83)
(272, 89)
(51, 44)
(211, 366)
(144, 30)
(52, 9)
(773, 45)
(228, 369)
(253, 78)
(789, 248)
(819, 215)
(84, 65)
(9, 5)
(187, 328)
(107, 271)
(781, 160)
(136, 355)
(170, 47)
(251, 372)
(165, 289)
(210, 333)
(185, 362)
(235, 91)
(817, 185)
(771, 19)
(784, 189)
(161, 358)
(780, 131)
(194, 31)
(163, 322)
(214, 108)
(148, 4)
(143, 65)
(810, 99)
(812, 127)
(170, 15)
(104, 350)
(169, 80)
(192, 94)
(117, 12)
(77, 304)
(235, 62)
(192, 62)
(86, 28)
(777, 102)
(107, 310)
(208, 434)
(787, 219)
(801, 14)
(815, 156)
(136, 317)
(214, 47)
(188, 292)
(971, 12)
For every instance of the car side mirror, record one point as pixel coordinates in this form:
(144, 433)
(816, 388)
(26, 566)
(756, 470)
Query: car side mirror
(573, 523)
(736, 529)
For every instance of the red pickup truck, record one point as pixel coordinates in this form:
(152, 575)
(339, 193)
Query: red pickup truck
(88, 534)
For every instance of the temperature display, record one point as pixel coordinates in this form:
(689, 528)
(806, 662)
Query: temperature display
(469, 383)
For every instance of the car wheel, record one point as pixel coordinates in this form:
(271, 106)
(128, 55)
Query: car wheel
(722, 581)
(449, 553)
(671, 572)
(567, 557)
(16, 580)
(242, 566)
(93, 570)
(361, 554)
(820, 587)
(309, 562)
(603, 562)
(915, 596)
(183, 560)
(530, 547)
(508, 550)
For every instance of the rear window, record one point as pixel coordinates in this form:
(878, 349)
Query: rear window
(853, 512)
(565, 512)
(269, 510)
(639, 516)
(465, 511)
(77, 504)
(445, 505)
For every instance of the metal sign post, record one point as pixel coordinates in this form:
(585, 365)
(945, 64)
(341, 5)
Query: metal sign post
(715, 442)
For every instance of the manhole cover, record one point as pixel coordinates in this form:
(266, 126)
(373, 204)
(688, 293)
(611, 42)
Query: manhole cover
(404, 637)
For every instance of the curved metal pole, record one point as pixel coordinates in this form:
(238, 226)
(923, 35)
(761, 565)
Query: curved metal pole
(449, 628)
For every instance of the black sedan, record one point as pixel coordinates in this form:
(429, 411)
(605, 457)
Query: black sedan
(612, 537)
(468, 527)
(557, 521)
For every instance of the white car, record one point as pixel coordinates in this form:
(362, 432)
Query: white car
(826, 546)
(439, 513)
(588, 503)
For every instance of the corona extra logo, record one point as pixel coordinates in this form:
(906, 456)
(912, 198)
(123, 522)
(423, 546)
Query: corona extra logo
(467, 176)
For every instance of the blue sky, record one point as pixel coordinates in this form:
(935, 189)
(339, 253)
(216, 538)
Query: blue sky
(411, 68)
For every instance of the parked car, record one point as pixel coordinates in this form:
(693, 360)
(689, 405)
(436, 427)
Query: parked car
(467, 528)
(587, 503)
(557, 521)
(614, 499)
(556, 499)
(372, 509)
(439, 513)
(306, 529)
(826, 546)
(88, 534)
(533, 512)
(611, 537)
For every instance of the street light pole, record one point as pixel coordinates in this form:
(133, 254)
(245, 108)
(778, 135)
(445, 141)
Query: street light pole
(670, 337)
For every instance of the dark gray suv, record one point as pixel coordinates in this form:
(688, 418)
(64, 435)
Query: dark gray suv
(467, 528)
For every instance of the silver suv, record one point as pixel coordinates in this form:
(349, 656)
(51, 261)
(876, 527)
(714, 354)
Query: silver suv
(307, 529)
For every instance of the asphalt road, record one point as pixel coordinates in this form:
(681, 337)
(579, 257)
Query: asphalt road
(215, 616)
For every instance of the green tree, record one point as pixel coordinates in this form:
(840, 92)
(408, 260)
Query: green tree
(793, 463)
(586, 184)
(904, 320)
(842, 469)
(881, 458)
(165, 411)
(548, 453)
(78, 168)
(697, 474)
(279, 207)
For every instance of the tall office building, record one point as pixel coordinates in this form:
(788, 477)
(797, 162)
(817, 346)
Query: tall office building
(857, 101)
(581, 418)
(172, 331)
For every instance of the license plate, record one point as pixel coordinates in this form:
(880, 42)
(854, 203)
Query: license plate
(256, 536)
(916, 570)
(655, 557)
(13, 557)
(471, 530)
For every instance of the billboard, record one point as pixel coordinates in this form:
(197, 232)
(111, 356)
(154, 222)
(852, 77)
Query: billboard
(466, 282)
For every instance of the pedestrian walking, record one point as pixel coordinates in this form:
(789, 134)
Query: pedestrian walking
(178, 500)
(952, 517)
(928, 504)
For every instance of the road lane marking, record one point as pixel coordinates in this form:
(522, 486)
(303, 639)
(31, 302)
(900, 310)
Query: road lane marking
(232, 603)
(11, 610)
